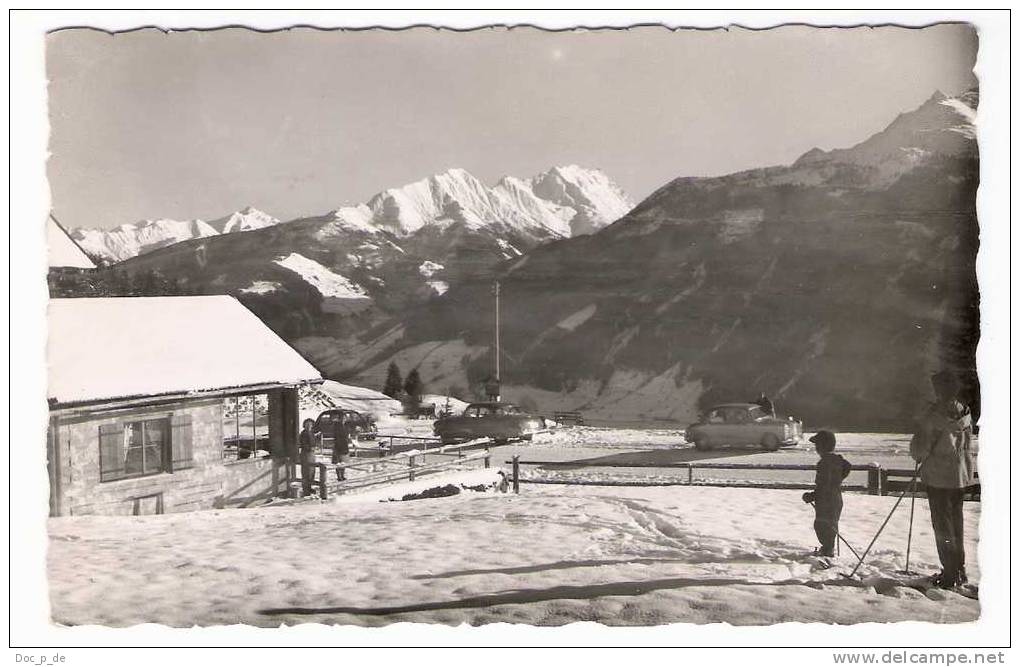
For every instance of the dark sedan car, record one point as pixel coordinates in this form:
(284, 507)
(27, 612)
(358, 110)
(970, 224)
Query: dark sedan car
(743, 424)
(501, 422)
(361, 427)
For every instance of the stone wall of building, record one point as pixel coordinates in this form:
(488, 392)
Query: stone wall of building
(210, 482)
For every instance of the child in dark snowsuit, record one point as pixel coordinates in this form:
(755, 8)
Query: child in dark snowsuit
(831, 470)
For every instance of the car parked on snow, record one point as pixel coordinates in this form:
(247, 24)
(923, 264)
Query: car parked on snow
(502, 422)
(361, 427)
(743, 424)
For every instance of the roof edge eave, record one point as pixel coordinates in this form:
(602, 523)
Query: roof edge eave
(113, 402)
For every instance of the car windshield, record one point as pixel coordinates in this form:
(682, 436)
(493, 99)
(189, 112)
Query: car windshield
(756, 413)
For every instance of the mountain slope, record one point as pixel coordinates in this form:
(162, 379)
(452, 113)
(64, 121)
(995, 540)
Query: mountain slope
(835, 284)
(333, 277)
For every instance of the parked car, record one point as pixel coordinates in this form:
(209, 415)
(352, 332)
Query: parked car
(502, 422)
(360, 426)
(743, 424)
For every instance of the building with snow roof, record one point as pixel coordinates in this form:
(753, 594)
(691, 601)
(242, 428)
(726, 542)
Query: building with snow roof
(168, 404)
(63, 252)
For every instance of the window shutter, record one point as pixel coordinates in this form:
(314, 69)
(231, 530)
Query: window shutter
(111, 451)
(180, 443)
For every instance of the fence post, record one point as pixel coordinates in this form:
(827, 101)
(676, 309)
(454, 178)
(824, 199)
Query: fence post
(517, 473)
(690, 475)
(488, 458)
(875, 475)
(323, 488)
(411, 464)
(292, 480)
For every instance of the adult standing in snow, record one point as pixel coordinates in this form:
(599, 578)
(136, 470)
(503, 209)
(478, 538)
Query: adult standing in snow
(306, 453)
(941, 447)
(341, 445)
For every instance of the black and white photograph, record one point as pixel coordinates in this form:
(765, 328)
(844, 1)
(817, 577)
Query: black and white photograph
(628, 326)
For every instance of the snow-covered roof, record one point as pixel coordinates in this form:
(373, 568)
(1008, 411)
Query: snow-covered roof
(63, 251)
(110, 348)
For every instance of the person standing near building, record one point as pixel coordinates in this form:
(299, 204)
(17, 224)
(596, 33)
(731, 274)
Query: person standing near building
(941, 445)
(306, 454)
(341, 445)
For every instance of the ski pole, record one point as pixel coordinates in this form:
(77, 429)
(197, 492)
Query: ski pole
(881, 528)
(910, 529)
(843, 540)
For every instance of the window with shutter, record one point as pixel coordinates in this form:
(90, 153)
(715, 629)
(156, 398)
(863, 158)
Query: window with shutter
(181, 443)
(134, 449)
(111, 452)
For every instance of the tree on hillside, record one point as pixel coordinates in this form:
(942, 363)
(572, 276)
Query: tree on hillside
(413, 386)
(393, 381)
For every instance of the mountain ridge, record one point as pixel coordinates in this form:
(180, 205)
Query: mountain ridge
(578, 200)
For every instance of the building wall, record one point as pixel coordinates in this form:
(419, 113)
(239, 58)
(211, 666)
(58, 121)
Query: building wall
(210, 482)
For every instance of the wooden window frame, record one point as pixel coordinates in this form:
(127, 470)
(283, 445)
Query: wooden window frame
(224, 421)
(176, 426)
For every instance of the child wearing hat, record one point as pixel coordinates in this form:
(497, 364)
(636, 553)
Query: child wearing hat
(827, 497)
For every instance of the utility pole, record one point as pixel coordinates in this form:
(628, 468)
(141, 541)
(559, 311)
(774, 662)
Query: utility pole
(496, 292)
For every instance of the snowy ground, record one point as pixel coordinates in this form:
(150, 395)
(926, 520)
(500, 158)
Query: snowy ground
(550, 556)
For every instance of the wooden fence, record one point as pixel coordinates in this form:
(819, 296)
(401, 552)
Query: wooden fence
(874, 485)
(407, 465)
(881, 481)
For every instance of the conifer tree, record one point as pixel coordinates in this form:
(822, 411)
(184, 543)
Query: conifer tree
(413, 385)
(393, 381)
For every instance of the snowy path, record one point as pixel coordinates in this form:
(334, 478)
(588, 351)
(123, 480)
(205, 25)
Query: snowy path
(550, 556)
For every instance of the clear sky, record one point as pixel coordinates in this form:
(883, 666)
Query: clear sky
(199, 124)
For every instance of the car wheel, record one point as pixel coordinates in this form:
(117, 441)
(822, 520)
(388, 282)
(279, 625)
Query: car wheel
(770, 442)
(701, 444)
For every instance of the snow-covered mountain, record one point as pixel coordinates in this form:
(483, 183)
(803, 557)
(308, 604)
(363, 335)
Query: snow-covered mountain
(562, 202)
(594, 198)
(245, 220)
(130, 240)
(354, 267)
